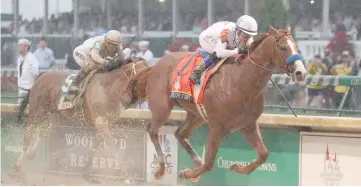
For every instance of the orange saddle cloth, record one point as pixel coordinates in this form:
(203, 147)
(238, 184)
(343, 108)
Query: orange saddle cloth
(182, 87)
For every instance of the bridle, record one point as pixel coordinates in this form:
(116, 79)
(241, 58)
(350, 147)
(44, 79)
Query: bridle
(289, 70)
(135, 65)
(288, 61)
(134, 70)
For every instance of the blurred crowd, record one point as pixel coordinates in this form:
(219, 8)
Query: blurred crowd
(338, 60)
(352, 23)
(92, 21)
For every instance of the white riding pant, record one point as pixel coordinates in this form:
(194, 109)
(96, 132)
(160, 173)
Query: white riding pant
(79, 57)
(208, 43)
(22, 94)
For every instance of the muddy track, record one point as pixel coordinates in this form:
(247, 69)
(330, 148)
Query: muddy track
(51, 179)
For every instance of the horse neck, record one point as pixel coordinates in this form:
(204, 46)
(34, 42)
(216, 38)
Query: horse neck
(119, 78)
(252, 70)
(115, 83)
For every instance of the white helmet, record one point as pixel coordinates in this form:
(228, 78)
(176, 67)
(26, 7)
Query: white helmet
(113, 37)
(247, 24)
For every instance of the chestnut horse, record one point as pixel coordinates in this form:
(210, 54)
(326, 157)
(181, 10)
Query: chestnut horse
(233, 99)
(104, 98)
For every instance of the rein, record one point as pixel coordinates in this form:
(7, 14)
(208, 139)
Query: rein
(263, 67)
(287, 62)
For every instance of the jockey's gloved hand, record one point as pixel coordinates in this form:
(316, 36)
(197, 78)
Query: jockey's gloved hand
(108, 58)
(107, 62)
(243, 49)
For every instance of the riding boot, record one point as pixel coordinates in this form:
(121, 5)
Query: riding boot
(74, 88)
(197, 73)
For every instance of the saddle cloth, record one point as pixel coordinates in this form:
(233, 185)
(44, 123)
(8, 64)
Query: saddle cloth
(68, 100)
(182, 87)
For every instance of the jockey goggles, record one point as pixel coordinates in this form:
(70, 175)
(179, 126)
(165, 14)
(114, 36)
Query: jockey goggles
(243, 34)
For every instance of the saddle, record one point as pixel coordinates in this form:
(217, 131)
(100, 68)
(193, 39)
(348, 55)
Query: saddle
(69, 100)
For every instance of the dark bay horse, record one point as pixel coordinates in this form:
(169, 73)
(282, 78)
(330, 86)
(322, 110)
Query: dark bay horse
(104, 98)
(233, 99)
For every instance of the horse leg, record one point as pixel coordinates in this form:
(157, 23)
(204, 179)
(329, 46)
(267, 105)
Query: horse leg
(40, 134)
(254, 137)
(159, 117)
(28, 137)
(89, 162)
(103, 134)
(184, 131)
(17, 172)
(214, 140)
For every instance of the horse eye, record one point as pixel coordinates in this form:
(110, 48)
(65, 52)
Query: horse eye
(283, 48)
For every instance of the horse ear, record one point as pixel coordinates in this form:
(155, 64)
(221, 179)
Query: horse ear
(289, 28)
(272, 30)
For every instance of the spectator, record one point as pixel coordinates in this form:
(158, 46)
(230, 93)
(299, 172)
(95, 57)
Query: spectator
(343, 68)
(28, 68)
(340, 41)
(184, 48)
(166, 52)
(44, 55)
(356, 96)
(328, 60)
(144, 51)
(317, 67)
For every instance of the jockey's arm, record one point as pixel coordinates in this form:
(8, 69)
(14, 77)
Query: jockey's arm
(94, 54)
(222, 51)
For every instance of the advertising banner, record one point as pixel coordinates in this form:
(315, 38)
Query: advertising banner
(12, 138)
(281, 168)
(330, 159)
(70, 151)
(169, 145)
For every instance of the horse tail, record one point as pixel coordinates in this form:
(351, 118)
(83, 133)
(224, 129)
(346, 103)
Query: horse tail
(138, 86)
(22, 107)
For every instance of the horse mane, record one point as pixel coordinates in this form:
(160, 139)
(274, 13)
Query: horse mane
(119, 63)
(258, 40)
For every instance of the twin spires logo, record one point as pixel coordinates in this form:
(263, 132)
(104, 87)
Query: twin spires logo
(331, 174)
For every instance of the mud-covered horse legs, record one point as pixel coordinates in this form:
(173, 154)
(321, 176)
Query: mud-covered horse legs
(103, 134)
(28, 137)
(213, 142)
(159, 117)
(253, 134)
(39, 130)
(183, 132)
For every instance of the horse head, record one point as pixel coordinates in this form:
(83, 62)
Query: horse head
(278, 50)
(135, 66)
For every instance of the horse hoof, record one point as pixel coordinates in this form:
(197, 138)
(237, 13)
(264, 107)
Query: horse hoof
(31, 155)
(195, 180)
(13, 175)
(159, 174)
(183, 174)
(90, 180)
(17, 166)
(237, 169)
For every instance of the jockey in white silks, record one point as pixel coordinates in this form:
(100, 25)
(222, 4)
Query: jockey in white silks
(225, 39)
(98, 52)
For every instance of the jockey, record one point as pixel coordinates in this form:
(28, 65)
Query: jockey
(95, 53)
(225, 39)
